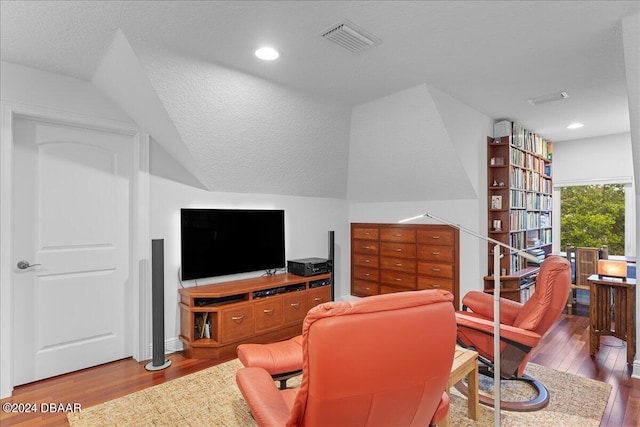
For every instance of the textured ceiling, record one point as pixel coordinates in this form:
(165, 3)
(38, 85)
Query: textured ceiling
(492, 56)
(284, 126)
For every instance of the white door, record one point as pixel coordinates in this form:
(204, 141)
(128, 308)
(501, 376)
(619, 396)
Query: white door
(71, 198)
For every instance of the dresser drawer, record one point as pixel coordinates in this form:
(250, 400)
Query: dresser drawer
(436, 253)
(365, 247)
(318, 296)
(444, 237)
(398, 234)
(398, 250)
(384, 289)
(236, 323)
(396, 278)
(364, 260)
(435, 269)
(398, 264)
(365, 273)
(364, 289)
(435, 283)
(269, 313)
(295, 307)
(365, 233)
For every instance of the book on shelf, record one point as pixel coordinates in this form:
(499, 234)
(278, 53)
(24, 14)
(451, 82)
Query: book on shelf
(538, 253)
(201, 322)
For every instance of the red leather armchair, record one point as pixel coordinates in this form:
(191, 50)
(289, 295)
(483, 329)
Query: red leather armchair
(522, 327)
(382, 360)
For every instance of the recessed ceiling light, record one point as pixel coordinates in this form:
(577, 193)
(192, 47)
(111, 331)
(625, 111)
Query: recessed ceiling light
(575, 126)
(267, 53)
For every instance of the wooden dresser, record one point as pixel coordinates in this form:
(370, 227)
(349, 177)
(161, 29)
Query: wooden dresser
(404, 257)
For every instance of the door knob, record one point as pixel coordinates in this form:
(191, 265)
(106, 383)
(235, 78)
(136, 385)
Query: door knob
(24, 264)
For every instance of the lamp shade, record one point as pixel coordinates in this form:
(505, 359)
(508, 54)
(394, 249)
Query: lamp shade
(611, 268)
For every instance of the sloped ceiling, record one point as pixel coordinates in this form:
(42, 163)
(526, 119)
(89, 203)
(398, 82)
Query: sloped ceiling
(240, 133)
(400, 151)
(234, 132)
(242, 125)
(124, 81)
(251, 135)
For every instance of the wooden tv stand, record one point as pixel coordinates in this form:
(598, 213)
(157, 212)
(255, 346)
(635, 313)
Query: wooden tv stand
(216, 318)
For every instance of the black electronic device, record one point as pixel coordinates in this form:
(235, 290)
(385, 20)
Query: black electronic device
(319, 283)
(218, 242)
(308, 266)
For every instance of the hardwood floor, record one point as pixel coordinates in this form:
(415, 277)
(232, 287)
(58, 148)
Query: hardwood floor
(565, 348)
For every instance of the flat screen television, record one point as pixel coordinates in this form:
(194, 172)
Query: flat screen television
(218, 242)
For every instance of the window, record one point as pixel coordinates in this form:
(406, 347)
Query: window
(593, 216)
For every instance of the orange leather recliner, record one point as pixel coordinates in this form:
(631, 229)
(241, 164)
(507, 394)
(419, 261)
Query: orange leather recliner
(522, 326)
(382, 360)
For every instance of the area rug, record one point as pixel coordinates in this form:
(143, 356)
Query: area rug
(211, 397)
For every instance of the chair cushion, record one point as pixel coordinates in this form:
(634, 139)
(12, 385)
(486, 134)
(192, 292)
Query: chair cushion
(276, 358)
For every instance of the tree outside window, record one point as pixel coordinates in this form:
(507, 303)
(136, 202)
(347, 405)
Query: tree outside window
(593, 216)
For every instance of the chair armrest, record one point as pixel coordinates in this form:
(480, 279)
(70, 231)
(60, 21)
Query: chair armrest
(265, 401)
(507, 333)
(482, 304)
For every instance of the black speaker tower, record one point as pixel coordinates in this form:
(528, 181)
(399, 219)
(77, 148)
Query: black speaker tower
(157, 301)
(331, 261)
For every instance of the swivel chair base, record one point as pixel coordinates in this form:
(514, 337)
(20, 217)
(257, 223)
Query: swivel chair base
(539, 402)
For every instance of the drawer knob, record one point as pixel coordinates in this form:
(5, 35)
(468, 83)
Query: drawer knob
(368, 247)
(397, 235)
(435, 253)
(435, 286)
(398, 250)
(435, 237)
(435, 269)
(268, 311)
(320, 299)
(367, 260)
(397, 279)
(238, 319)
(295, 304)
(367, 274)
(398, 264)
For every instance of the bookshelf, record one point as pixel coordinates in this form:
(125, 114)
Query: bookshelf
(519, 182)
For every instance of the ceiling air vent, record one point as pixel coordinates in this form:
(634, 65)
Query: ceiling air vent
(349, 36)
(548, 98)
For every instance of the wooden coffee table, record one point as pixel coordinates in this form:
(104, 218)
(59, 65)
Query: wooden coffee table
(465, 362)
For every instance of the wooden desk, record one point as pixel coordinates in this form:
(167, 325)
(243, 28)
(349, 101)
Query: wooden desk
(465, 362)
(612, 312)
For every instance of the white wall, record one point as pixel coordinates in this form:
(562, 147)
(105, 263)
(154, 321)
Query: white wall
(307, 223)
(445, 133)
(42, 89)
(606, 159)
(600, 160)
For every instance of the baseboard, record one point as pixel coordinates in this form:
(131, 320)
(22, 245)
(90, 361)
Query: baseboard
(172, 345)
(636, 369)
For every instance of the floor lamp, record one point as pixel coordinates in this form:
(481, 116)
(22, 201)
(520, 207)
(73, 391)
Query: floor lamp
(496, 297)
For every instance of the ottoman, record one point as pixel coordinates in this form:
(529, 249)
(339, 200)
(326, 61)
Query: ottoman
(282, 360)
